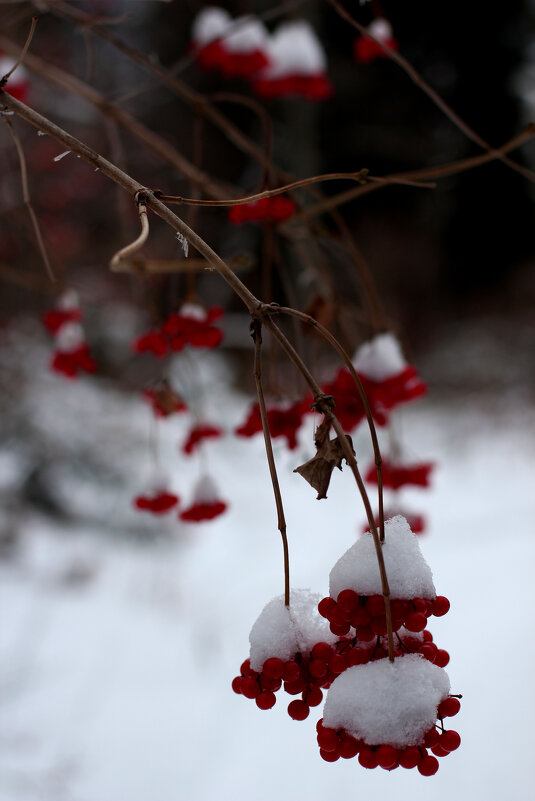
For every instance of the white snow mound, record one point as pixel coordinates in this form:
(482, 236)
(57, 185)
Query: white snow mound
(294, 49)
(380, 358)
(282, 632)
(409, 575)
(386, 702)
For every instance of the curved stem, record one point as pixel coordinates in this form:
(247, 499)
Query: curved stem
(256, 332)
(138, 243)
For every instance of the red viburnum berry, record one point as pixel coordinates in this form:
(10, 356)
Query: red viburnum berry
(409, 757)
(329, 756)
(428, 766)
(367, 758)
(298, 710)
(273, 667)
(442, 658)
(450, 740)
(440, 605)
(387, 757)
(291, 671)
(265, 700)
(449, 707)
(415, 621)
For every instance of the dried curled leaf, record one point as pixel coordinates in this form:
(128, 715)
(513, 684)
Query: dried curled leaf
(329, 454)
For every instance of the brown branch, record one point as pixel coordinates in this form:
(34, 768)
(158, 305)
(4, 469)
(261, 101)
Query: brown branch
(426, 173)
(123, 118)
(256, 333)
(424, 86)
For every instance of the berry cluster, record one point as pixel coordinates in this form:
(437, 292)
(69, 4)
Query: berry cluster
(336, 743)
(367, 613)
(366, 49)
(206, 503)
(192, 326)
(71, 353)
(283, 421)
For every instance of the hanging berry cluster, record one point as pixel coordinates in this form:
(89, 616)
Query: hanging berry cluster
(71, 352)
(386, 713)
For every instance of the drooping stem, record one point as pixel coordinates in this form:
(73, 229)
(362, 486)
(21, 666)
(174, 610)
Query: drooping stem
(256, 332)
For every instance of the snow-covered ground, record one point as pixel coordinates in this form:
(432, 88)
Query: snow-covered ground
(117, 656)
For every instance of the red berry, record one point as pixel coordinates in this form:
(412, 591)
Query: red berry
(269, 684)
(409, 757)
(439, 751)
(338, 663)
(294, 687)
(322, 651)
(250, 687)
(246, 669)
(387, 757)
(428, 637)
(360, 617)
(357, 656)
(364, 633)
(432, 737)
(449, 707)
(292, 671)
(317, 669)
(348, 600)
(273, 667)
(450, 740)
(367, 758)
(428, 650)
(378, 625)
(399, 608)
(321, 727)
(298, 710)
(428, 766)
(329, 756)
(326, 606)
(339, 628)
(313, 696)
(440, 605)
(442, 658)
(415, 621)
(376, 605)
(349, 747)
(420, 605)
(236, 684)
(328, 740)
(265, 700)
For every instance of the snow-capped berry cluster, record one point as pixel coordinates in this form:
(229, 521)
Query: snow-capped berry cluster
(206, 503)
(237, 48)
(297, 64)
(388, 381)
(367, 50)
(191, 325)
(390, 714)
(290, 648)
(290, 61)
(71, 353)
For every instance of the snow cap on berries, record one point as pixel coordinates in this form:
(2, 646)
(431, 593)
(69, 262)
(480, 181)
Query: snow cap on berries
(385, 702)
(380, 358)
(282, 632)
(69, 337)
(294, 49)
(210, 24)
(409, 575)
(381, 29)
(247, 35)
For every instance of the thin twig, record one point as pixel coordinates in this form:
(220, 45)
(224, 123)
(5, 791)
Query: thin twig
(5, 78)
(27, 200)
(256, 333)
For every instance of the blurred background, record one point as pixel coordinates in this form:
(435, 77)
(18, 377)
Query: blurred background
(121, 632)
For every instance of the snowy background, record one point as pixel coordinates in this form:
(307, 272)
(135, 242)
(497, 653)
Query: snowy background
(120, 634)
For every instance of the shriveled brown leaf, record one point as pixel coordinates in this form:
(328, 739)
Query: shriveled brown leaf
(329, 454)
